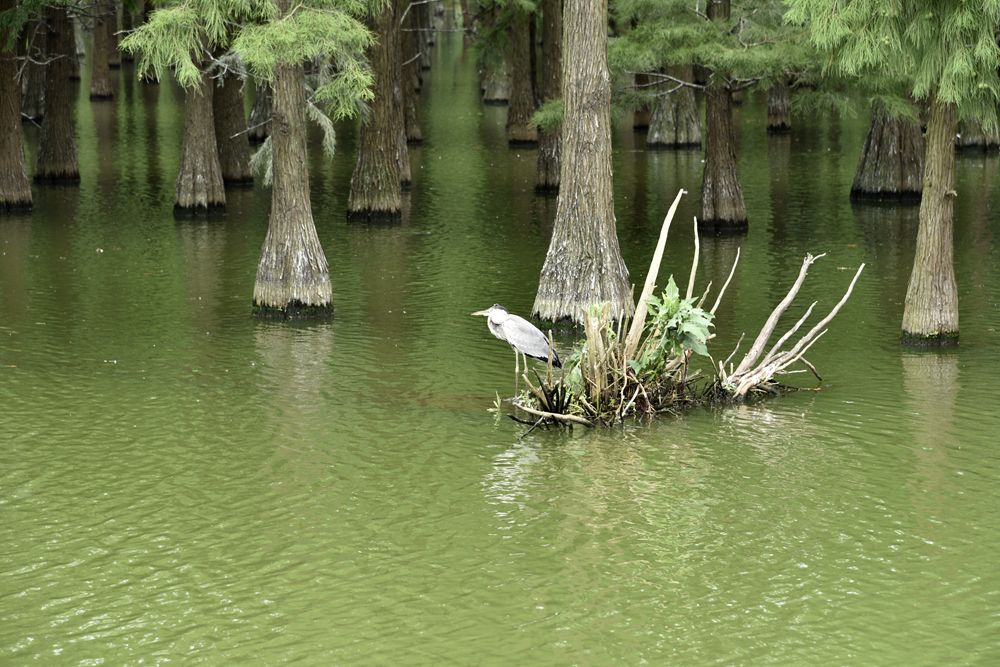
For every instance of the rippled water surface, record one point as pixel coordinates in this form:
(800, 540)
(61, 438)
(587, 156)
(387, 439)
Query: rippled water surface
(180, 483)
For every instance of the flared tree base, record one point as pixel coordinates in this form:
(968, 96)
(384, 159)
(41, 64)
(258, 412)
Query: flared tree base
(57, 179)
(296, 310)
(15, 207)
(385, 217)
(935, 340)
(190, 212)
(885, 196)
(780, 128)
(723, 227)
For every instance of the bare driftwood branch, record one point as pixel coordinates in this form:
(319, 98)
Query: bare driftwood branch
(553, 415)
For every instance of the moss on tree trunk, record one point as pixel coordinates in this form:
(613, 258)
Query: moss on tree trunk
(520, 130)
(584, 265)
(230, 131)
(675, 121)
(56, 159)
(375, 183)
(892, 159)
(722, 206)
(260, 114)
(15, 189)
(199, 182)
(550, 141)
(930, 315)
(100, 71)
(779, 117)
(293, 279)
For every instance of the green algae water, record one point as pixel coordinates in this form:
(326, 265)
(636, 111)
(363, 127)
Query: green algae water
(182, 484)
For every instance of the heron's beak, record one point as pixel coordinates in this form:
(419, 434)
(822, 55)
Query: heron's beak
(484, 313)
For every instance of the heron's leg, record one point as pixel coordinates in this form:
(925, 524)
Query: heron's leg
(517, 371)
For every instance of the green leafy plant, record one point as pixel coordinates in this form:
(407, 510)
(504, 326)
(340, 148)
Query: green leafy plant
(675, 326)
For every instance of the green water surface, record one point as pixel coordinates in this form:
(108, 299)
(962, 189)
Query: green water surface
(182, 484)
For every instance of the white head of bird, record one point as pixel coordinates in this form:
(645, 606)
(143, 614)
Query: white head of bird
(521, 334)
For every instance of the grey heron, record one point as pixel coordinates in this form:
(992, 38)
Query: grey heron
(520, 334)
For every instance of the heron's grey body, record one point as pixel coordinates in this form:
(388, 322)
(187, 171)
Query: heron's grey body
(521, 334)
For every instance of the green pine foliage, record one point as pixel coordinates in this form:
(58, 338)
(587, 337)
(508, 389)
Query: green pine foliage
(754, 46)
(939, 49)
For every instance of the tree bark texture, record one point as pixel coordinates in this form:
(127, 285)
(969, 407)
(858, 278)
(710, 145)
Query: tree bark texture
(230, 131)
(199, 182)
(260, 114)
(779, 117)
(722, 206)
(521, 105)
(675, 121)
(100, 71)
(375, 184)
(495, 82)
(892, 159)
(33, 74)
(15, 189)
(293, 279)
(111, 25)
(56, 158)
(972, 136)
(930, 315)
(584, 265)
(550, 141)
(410, 55)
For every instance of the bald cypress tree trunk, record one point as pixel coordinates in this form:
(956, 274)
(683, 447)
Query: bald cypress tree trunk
(675, 121)
(722, 206)
(550, 141)
(930, 315)
(410, 55)
(779, 117)
(199, 182)
(892, 159)
(56, 159)
(33, 73)
(260, 114)
(521, 104)
(230, 131)
(375, 184)
(100, 73)
(972, 136)
(15, 189)
(584, 265)
(293, 279)
(111, 26)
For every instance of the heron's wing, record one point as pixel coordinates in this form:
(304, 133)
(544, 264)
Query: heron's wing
(525, 337)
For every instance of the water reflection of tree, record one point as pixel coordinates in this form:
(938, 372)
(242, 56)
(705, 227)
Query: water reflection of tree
(930, 388)
(15, 242)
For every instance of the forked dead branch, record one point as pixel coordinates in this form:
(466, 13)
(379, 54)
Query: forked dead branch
(643, 365)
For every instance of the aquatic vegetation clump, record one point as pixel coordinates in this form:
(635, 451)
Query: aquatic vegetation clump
(643, 365)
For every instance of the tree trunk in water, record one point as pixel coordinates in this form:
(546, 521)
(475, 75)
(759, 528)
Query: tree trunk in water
(293, 279)
(33, 74)
(199, 183)
(56, 158)
(930, 316)
(676, 121)
(641, 117)
(972, 136)
(892, 159)
(549, 141)
(260, 114)
(111, 25)
(100, 73)
(584, 265)
(15, 189)
(398, 96)
(520, 131)
(230, 131)
(495, 82)
(722, 207)
(375, 184)
(410, 54)
(80, 48)
(779, 117)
